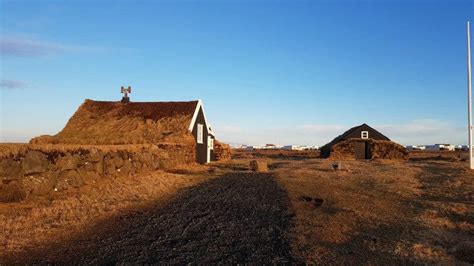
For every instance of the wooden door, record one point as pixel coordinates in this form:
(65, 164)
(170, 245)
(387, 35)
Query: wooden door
(360, 150)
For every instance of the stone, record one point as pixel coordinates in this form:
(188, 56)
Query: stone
(258, 166)
(34, 162)
(127, 168)
(99, 167)
(39, 184)
(115, 162)
(145, 158)
(12, 192)
(43, 184)
(10, 169)
(87, 175)
(68, 179)
(69, 162)
(336, 166)
(88, 166)
(95, 156)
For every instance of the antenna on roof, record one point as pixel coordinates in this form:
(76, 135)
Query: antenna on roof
(469, 93)
(125, 91)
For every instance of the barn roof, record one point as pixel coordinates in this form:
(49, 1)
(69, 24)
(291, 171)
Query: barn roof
(106, 122)
(346, 134)
(145, 110)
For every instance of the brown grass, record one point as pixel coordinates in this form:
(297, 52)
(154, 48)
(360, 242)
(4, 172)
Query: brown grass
(369, 212)
(26, 224)
(222, 151)
(111, 123)
(15, 150)
(377, 212)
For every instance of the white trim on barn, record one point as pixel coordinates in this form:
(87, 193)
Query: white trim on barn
(210, 146)
(195, 115)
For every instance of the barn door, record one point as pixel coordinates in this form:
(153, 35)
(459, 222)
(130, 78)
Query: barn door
(210, 146)
(360, 150)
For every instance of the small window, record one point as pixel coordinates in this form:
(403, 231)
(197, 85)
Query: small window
(210, 143)
(364, 134)
(200, 134)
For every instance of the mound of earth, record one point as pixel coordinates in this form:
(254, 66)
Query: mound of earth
(377, 149)
(222, 151)
(104, 123)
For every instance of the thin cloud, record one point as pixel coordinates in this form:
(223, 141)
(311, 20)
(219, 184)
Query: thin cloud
(15, 46)
(9, 84)
(25, 46)
(425, 131)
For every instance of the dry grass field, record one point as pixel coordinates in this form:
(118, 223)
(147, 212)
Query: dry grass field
(380, 211)
(370, 212)
(39, 222)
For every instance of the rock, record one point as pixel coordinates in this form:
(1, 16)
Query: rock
(87, 175)
(115, 162)
(99, 167)
(317, 202)
(127, 168)
(145, 158)
(39, 184)
(95, 156)
(67, 179)
(10, 169)
(258, 166)
(12, 192)
(336, 166)
(34, 162)
(89, 166)
(68, 162)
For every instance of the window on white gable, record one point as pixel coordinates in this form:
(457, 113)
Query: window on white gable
(200, 134)
(364, 134)
(210, 142)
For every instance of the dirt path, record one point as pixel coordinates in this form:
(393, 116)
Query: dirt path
(240, 217)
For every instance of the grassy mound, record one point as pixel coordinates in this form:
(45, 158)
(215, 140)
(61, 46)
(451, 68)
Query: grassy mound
(111, 123)
(222, 151)
(377, 149)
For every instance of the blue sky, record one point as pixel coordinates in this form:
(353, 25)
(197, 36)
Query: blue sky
(284, 72)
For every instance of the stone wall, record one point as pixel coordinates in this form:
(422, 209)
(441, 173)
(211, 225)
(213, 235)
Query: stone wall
(34, 170)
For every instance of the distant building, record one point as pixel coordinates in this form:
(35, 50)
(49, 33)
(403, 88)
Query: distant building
(363, 133)
(290, 147)
(270, 147)
(440, 147)
(299, 148)
(238, 146)
(462, 148)
(416, 147)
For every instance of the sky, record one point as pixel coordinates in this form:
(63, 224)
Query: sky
(282, 72)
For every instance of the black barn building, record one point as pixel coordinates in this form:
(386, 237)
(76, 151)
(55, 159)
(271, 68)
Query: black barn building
(362, 132)
(203, 134)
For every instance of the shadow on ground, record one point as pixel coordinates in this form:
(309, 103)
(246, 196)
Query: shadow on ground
(239, 217)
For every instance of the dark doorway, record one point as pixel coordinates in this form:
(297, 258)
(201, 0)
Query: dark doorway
(361, 150)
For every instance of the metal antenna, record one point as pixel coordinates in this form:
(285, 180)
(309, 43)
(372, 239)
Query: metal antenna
(125, 91)
(469, 93)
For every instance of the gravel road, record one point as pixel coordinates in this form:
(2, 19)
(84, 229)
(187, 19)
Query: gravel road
(239, 217)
